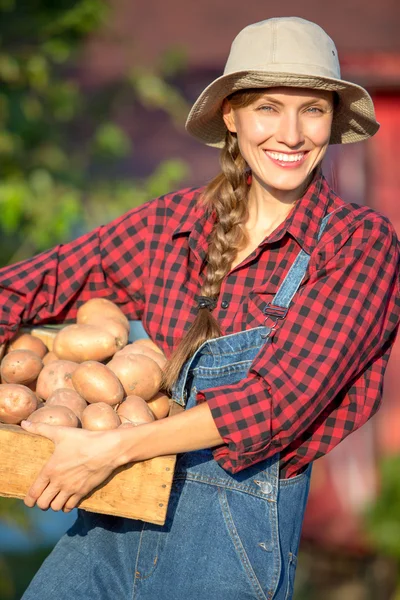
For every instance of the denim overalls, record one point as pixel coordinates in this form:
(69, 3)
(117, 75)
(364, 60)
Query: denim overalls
(226, 537)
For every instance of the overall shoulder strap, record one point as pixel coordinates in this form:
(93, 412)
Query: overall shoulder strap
(279, 306)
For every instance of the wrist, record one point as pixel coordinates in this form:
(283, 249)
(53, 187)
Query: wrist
(192, 429)
(134, 444)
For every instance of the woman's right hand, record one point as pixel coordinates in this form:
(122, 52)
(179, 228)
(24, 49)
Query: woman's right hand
(81, 461)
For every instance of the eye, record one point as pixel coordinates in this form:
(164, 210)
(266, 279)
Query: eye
(266, 108)
(314, 110)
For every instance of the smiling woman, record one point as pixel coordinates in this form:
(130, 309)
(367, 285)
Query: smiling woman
(282, 134)
(289, 127)
(277, 305)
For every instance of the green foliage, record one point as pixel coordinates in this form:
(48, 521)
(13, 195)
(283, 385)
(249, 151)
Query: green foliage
(383, 518)
(61, 145)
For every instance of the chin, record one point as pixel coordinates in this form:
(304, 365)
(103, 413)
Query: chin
(288, 185)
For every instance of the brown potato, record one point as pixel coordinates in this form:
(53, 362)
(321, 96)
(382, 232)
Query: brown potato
(55, 415)
(135, 410)
(26, 341)
(116, 328)
(97, 383)
(20, 366)
(159, 405)
(139, 374)
(149, 344)
(100, 416)
(101, 308)
(49, 358)
(69, 398)
(55, 375)
(17, 402)
(145, 351)
(85, 342)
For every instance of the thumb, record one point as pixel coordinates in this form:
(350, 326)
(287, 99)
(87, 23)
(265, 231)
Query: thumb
(50, 432)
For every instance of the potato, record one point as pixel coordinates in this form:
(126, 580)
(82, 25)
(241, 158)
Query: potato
(139, 374)
(48, 358)
(135, 410)
(97, 383)
(55, 415)
(149, 344)
(134, 348)
(17, 402)
(20, 366)
(100, 416)
(26, 341)
(116, 328)
(69, 398)
(85, 342)
(53, 376)
(159, 405)
(100, 308)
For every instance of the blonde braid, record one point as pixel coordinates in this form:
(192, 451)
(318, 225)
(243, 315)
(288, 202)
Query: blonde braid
(226, 194)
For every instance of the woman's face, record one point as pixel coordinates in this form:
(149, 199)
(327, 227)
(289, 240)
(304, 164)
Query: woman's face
(283, 135)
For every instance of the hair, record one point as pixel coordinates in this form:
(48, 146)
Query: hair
(226, 195)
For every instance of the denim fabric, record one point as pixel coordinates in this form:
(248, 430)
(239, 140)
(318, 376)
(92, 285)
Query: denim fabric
(226, 537)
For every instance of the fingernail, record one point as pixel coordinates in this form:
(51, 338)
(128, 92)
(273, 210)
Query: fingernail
(27, 423)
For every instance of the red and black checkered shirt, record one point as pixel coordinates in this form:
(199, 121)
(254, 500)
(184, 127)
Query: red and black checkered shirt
(319, 379)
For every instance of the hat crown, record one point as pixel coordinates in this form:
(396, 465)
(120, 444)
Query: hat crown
(285, 45)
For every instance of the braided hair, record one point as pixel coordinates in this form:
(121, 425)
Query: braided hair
(226, 194)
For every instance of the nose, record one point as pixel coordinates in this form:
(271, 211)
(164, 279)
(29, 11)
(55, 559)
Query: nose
(290, 130)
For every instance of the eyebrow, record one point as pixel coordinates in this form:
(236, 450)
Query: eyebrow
(266, 97)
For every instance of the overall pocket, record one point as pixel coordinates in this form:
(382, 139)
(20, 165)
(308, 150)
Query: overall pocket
(252, 525)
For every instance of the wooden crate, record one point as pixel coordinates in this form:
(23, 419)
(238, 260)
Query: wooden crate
(137, 491)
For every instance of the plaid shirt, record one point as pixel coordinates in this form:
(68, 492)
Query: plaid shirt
(319, 379)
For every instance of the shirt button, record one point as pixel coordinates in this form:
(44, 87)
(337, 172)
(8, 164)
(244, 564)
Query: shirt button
(224, 304)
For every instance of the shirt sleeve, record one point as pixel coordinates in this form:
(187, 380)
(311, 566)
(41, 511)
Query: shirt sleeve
(109, 262)
(342, 320)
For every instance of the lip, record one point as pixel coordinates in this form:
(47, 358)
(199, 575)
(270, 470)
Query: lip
(287, 164)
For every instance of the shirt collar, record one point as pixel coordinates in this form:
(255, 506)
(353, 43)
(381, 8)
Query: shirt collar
(194, 216)
(304, 220)
(302, 223)
(198, 223)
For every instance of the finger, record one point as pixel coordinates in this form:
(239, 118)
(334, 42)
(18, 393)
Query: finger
(72, 503)
(52, 432)
(46, 498)
(37, 488)
(60, 500)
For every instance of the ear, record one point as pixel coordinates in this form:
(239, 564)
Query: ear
(228, 116)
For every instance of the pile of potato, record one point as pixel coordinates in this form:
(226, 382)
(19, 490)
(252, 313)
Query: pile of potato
(92, 378)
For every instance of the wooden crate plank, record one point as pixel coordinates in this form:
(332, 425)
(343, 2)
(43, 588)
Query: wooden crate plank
(137, 491)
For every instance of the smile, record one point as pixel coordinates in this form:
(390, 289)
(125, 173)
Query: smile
(286, 160)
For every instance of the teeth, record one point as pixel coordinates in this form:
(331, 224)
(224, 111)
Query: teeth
(286, 157)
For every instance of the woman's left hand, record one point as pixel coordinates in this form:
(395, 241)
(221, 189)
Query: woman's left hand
(81, 461)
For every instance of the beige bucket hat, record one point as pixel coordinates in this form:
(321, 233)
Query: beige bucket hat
(285, 51)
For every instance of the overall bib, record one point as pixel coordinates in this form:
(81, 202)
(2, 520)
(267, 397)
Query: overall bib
(226, 537)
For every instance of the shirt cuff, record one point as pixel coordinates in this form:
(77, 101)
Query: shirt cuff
(242, 415)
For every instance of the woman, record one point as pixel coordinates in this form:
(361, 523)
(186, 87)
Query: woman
(277, 304)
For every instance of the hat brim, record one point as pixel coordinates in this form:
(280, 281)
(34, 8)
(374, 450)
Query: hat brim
(353, 120)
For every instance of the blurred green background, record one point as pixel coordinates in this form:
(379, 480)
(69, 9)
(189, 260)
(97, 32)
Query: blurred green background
(61, 149)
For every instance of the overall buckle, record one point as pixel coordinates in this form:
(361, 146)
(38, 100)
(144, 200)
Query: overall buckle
(276, 313)
(279, 312)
